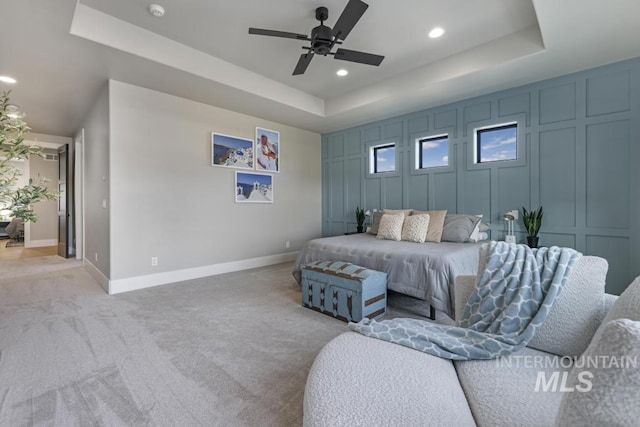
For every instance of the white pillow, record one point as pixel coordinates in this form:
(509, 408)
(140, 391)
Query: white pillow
(406, 212)
(627, 305)
(605, 387)
(391, 227)
(475, 234)
(415, 228)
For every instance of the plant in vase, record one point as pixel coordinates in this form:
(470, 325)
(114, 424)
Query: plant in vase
(360, 217)
(532, 220)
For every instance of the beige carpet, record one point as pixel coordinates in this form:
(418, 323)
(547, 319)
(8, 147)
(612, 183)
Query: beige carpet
(229, 350)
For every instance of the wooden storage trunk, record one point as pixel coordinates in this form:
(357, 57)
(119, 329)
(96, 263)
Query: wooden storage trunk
(345, 291)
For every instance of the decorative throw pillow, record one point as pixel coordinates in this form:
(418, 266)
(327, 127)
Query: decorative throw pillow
(627, 305)
(375, 222)
(436, 224)
(406, 212)
(391, 227)
(482, 235)
(475, 234)
(458, 227)
(605, 391)
(415, 228)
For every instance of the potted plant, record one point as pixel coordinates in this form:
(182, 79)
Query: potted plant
(360, 217)
(532, 220)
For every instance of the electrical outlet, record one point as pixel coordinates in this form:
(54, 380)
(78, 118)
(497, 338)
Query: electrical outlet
(154, 261)
(287, 244)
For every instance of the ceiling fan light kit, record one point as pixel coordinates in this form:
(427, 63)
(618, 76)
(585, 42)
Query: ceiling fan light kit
(324, 38)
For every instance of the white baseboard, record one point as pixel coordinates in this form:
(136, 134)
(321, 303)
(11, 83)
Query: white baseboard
(150, 280)
(41, 243)
(97, 274)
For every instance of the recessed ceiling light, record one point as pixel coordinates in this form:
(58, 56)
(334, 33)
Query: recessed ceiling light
(342, 73)
(7, 79)
(436, 32)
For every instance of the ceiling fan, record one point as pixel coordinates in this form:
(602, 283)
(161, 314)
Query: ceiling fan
(323, 38)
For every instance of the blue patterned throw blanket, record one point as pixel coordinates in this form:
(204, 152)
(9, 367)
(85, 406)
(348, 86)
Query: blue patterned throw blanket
(512, 300)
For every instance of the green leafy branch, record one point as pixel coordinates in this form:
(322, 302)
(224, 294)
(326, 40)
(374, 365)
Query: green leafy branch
(18, 201)
(532, 220)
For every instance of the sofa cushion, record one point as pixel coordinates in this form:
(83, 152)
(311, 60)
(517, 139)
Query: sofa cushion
(627, 306)
(502, 392)
(576, 314)
(606, 393)
(357, 380)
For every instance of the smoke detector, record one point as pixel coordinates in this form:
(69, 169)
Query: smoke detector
(156, 10)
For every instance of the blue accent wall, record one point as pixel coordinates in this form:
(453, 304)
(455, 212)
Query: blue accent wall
(579, 157)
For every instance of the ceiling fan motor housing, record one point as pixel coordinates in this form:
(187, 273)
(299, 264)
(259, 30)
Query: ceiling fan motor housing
(321, 37)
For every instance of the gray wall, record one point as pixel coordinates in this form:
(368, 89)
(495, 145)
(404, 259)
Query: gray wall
(167, 201)
(46, 228)
(96, 156)
(581, 137)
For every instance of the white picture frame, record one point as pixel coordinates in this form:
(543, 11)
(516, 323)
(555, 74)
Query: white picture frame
(267, 154)
(253, 187)
(232, 152)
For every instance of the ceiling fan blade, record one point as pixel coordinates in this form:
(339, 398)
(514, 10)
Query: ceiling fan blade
(349, 18)
(303, 63)
(360, 57)
(272, 33)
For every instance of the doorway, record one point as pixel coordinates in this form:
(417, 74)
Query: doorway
(39, 238)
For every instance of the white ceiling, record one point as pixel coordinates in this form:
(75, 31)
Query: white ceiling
(63, 51)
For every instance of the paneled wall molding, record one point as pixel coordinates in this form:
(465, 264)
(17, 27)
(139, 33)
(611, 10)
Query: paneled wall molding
(579, 142)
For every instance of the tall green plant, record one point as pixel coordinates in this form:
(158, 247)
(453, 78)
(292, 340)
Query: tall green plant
(360, 216)
(532, 220)
(18, 201)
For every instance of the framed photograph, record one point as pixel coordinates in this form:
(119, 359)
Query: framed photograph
(254, 187)
(231, 151)
(267, 150)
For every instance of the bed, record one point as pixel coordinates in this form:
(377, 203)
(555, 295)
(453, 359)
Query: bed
(426, 271)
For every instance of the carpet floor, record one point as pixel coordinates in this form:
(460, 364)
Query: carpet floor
(232, 350)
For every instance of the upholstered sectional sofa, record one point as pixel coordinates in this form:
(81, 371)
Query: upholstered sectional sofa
(362, 381)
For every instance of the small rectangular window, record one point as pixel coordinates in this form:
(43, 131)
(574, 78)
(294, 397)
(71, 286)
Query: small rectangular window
(433, 152)
(497, 144)
(384, 158)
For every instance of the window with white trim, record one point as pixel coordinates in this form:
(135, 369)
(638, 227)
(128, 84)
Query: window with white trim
(496, 143)
(383, 158)
(432, 152)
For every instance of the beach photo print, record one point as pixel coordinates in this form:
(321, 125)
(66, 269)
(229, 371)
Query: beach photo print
(254, 187)
(231, 151)
(267, 150)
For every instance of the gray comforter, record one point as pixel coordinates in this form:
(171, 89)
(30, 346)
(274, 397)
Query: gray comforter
(422, 270)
